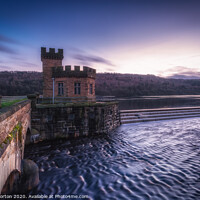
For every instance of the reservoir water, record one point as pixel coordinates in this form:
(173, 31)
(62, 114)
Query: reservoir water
(147, 102)
(152, 160)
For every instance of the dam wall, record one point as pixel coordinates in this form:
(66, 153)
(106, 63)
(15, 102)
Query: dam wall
(27, 122)
(68, 121)
(15, 122)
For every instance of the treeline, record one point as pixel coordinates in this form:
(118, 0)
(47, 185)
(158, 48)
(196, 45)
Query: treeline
(20, 83)
(107, 84)
(128, 85)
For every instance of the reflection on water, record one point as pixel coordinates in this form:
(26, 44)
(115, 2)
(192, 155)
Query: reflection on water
(159, 102)
(153, 160)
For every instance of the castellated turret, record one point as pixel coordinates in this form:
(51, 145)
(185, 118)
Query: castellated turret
(75, 85)
(51, 54)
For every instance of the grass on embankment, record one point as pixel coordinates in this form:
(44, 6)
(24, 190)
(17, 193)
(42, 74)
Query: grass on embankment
(10, 101)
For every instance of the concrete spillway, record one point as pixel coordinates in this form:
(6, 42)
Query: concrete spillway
(144, 115)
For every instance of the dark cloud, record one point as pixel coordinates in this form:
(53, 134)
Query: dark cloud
(17, 58)
(75, 49)
(8, 40)
(189, 75)
(6, 49)
(180, 72)
(91, 58)
(109, 69)
(4, 68)
(29, 64)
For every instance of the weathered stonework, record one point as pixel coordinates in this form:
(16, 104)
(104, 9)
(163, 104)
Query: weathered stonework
(62, 121)
(14, 123)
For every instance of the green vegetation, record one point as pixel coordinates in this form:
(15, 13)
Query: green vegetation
(17, 130)
(11, 102)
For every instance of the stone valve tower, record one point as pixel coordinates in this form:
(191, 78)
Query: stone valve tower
(64, 83)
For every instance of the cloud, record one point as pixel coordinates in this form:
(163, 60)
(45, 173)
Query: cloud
(181, 72)
(109, 69)
(4, 68)
(8, 40)
(91, 58)
(6, 49)
(17, 58)
(181, 76)
(75, 49)
(29, 64)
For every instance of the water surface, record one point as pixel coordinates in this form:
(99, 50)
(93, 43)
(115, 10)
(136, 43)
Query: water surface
(169, 101)
(152, 160)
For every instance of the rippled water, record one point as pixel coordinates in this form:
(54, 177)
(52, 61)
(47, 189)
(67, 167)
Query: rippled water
(153, 160)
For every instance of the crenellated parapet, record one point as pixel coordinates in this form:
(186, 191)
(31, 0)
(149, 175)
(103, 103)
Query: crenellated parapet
(51, 54)
(60, 71)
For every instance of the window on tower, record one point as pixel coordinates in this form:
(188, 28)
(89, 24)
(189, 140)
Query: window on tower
(77, 88)
(91, 89)
(60, 89)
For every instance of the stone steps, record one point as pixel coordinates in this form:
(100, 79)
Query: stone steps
(159, 109)
(160, 112)
(151, 115)
(144, 115)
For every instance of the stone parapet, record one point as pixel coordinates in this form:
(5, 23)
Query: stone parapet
(8, 111)
(33, 98)
(57, 100)
(14, 122)
(60, 71)
(78, 119)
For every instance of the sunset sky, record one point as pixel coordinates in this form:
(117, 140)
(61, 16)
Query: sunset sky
(127, 36)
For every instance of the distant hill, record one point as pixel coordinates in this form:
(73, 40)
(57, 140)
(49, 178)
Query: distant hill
(109, 84)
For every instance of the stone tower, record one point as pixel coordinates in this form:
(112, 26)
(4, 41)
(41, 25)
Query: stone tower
(49, 59)
(69, 85)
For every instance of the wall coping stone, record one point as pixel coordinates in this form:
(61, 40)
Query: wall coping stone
(86, 104)
(8, 111)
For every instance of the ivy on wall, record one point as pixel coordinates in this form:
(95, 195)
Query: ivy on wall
(13, 135)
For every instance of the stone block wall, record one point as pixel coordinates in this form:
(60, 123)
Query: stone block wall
(57, 121)
(14, 123)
